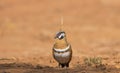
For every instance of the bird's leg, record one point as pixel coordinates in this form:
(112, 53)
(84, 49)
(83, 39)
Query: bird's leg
(63, 65)
(67, 65)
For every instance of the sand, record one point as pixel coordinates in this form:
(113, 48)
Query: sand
(28, 27)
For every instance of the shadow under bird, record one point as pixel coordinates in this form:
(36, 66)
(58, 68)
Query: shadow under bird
(62, 51)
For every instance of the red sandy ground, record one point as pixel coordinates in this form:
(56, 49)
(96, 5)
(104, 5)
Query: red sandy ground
(28, 27)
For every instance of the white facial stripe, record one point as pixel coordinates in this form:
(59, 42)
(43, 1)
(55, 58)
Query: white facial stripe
(62, 50)
(61, 35)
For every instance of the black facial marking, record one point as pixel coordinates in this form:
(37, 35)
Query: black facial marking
(60, 35)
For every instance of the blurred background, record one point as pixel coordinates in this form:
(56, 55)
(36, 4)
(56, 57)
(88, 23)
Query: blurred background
(28, 27)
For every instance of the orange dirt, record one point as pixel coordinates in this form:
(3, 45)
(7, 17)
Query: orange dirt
(28, 27)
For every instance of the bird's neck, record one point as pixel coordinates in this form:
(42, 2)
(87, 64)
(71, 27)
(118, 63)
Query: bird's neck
(61, 44)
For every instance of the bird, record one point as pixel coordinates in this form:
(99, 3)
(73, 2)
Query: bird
(62, 51)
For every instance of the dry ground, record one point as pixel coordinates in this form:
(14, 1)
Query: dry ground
(27, 28)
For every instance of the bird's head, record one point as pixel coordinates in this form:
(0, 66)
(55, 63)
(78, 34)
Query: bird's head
(60, 35)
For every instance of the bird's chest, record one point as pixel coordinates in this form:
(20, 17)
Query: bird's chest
(62, 55)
